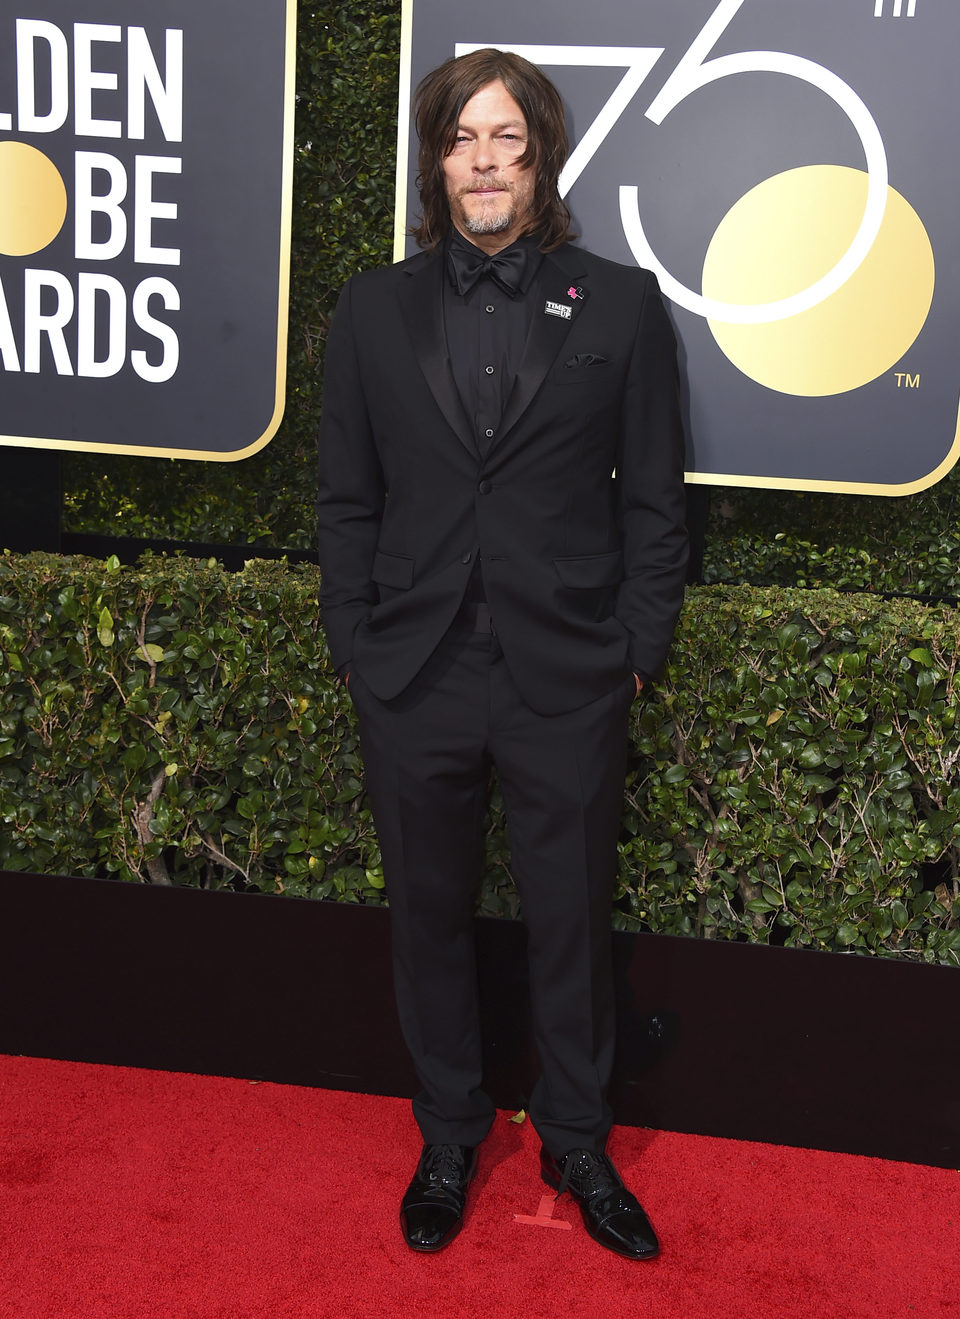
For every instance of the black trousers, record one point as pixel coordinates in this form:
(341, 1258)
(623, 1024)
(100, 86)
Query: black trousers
(427, 755)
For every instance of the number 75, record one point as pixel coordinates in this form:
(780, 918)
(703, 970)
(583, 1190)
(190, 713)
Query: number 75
(693, 72)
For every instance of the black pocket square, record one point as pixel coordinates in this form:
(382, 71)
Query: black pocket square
(586, 359)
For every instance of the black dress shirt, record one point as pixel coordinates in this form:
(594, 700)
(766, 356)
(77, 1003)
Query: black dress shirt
(486, 330)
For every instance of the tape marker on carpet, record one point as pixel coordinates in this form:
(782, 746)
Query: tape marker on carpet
(544, 1215)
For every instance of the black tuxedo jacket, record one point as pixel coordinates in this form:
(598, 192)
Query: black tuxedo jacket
(576, 508)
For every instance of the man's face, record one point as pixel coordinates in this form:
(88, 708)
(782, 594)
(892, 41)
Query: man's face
(489, 192)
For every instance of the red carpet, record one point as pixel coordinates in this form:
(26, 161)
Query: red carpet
(128, 1194)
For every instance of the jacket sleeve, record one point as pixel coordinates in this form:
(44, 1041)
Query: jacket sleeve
(350, 494)
(651, 493)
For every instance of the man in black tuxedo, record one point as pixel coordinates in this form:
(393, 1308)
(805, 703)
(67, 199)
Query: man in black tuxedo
(501, 524)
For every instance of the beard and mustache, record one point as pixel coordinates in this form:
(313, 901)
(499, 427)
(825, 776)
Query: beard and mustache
(496, 214)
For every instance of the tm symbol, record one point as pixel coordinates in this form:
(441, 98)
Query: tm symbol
(907, 381)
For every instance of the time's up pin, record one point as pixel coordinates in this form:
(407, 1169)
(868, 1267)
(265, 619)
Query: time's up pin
(560, 308)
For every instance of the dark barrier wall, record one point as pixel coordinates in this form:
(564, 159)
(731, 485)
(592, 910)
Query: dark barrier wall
(834, 1052)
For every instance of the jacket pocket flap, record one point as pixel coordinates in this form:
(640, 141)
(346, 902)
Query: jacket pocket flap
(591, 570)
(393, 570)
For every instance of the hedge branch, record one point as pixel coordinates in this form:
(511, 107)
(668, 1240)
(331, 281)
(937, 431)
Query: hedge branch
(142, 815)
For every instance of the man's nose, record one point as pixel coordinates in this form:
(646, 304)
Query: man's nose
(483, 157)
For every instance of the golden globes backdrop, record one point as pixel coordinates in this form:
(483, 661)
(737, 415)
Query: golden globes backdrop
(789, 170)
(145, 156)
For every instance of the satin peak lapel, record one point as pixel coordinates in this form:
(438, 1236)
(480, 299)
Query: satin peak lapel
(558, 298)
(421, 296)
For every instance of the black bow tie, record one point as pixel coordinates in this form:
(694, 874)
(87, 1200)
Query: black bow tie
(468, 265)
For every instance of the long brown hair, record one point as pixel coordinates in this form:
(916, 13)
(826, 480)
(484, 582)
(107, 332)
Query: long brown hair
(437, 107)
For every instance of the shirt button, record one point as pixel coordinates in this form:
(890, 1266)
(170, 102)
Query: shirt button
(489, 307)
(489, 370)
(489, 433)
(485, 487)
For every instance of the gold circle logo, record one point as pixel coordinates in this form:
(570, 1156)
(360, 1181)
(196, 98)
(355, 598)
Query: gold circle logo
(33, 200)
(784, 235)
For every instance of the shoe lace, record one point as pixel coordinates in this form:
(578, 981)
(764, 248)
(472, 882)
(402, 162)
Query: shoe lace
(443, 1162)
(592, 1174)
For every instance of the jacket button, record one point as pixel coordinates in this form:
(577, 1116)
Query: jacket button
(484, 487)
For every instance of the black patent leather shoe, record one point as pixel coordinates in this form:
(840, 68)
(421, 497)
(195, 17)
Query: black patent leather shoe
(611, 1214)
(431, 1213)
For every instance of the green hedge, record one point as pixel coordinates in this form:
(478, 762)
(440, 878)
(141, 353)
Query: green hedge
(796, 779)
(909, 543)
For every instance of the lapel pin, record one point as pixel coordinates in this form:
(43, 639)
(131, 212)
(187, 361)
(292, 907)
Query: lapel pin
(557, 309)
(574, 291)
